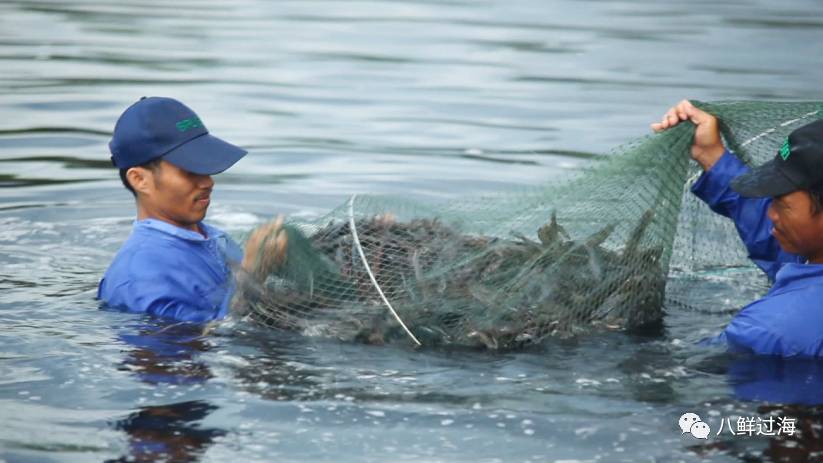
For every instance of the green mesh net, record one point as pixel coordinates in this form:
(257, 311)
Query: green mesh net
(594, 252)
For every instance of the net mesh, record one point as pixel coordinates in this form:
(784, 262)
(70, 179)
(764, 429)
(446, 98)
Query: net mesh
(510, 269)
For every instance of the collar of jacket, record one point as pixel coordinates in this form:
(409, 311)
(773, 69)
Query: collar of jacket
(173, 230)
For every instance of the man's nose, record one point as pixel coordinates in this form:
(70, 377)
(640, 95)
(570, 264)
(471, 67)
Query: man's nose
(205, 181)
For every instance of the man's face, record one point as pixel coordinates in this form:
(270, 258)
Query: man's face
(177, 196)
(796, 228)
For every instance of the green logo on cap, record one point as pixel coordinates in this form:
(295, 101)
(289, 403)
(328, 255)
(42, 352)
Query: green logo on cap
(785, 150)
(188, 124)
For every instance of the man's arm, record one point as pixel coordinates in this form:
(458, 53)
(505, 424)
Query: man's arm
(720, 166)
(708, 147)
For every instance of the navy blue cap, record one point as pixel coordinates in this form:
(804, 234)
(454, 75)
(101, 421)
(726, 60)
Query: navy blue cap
(158, 127)
(798, 165)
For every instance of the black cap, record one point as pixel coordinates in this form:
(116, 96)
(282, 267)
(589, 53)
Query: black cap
(797, 166)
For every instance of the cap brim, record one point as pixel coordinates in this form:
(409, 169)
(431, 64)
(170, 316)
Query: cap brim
(765, 180)
(205, 155)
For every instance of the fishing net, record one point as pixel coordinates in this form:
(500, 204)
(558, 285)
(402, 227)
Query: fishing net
(510, 269)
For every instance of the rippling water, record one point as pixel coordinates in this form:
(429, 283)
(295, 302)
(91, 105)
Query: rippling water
(424, 98)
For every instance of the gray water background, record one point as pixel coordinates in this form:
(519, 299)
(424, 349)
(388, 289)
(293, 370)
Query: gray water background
(430, 99)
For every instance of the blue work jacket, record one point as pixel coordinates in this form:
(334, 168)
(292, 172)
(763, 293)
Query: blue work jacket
(788, 320)
(171, 272)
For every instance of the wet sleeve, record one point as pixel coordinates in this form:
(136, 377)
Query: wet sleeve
(749, 214)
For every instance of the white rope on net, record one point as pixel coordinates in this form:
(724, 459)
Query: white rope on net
(356, 241)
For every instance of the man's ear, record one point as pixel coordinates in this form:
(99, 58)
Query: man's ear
(140, 179)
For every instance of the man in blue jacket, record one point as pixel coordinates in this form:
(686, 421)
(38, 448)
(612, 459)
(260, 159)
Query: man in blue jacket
(778, 211)
(173, 265)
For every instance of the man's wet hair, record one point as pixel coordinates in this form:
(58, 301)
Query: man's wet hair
(152, 165)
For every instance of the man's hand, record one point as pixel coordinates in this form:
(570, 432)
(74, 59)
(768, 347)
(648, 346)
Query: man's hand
(708, 146)
(273, 239)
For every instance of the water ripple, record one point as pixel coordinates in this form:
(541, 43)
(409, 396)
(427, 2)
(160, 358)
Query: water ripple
(415, 98)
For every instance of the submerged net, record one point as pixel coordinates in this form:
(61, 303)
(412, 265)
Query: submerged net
(510, 269)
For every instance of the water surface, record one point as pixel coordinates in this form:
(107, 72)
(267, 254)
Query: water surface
(428, 99)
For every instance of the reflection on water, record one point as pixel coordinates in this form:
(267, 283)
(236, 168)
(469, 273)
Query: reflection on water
(414, 98)
(167, 354)
(806, 444)
(776, 380)
(168, 432)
